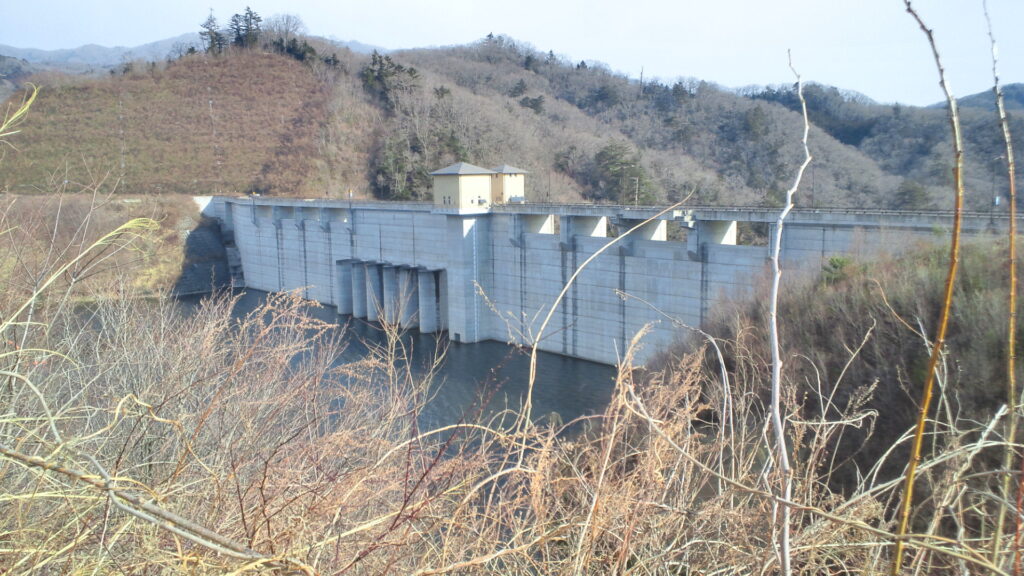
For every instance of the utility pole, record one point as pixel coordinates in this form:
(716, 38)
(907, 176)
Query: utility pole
(636, 191)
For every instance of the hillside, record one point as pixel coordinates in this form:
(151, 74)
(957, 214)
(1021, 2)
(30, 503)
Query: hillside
(913, 142)
(13, 72)
(252, 121)
(92, 56)
(202, 125)
(1013, 99)
(865, 154)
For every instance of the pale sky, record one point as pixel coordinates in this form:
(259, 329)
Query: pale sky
(872, 46)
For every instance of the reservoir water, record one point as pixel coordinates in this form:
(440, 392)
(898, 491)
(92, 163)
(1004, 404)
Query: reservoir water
(496, 371)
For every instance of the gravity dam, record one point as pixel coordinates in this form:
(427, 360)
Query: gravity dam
(494, 272)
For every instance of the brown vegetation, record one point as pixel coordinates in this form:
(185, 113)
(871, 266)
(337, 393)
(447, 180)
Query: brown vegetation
(249, 430)
(197, 126)
(43, 233)
(254, 121)
(139, 439)
(859, 337)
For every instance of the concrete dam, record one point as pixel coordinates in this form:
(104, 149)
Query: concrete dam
(492, 271)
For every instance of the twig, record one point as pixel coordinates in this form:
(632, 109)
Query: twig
(492, 556)
(154, 515)
(922, 540)
(940, 338)
(12, 119)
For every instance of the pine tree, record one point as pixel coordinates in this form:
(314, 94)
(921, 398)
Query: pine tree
(213, 39)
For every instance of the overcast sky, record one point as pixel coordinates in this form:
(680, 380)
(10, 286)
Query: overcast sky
(871, 46)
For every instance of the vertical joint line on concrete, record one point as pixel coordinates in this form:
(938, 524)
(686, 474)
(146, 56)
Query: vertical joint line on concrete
(437, 297)
(821, 263)
(622, 302)
(476, 285)
(331, 265)
(703, 249)
(565, 309)
(522, 282)
(351, 232)
(575, 300)
(305, 263)
(279, 239)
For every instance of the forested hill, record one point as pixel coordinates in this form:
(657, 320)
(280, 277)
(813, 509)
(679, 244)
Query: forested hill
(303, 117)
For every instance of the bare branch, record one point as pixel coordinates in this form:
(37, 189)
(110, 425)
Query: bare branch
(781, 451)
(940, 338)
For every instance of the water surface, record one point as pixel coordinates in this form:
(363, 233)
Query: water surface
(566, 388)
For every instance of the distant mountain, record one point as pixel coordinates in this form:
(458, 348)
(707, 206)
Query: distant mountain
(359, 47)
(1013, 99)
(95, 56)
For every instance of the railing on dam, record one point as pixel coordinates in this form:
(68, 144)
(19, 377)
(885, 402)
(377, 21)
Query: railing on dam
(832, 216)
(872, 216)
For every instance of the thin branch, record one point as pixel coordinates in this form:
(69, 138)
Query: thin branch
(528, 402)
(781, 451)
(152, 514)
(1011, 328)
(940, 338)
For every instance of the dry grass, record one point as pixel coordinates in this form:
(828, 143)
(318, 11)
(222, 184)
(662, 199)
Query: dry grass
(44, 232)
(269, 457)
(199, 126)
(135, 438)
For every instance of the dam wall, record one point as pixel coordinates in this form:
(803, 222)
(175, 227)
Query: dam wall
(495, 273)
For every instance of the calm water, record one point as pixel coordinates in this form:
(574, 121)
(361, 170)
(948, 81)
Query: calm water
(566, 386)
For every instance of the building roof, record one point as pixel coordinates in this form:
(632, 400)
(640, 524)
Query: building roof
(461, 168)
(506, 169)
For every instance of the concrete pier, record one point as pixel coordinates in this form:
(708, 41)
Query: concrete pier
(426, 282)
(408, 298)
(358, 290)
(343, 298)
(374, 291)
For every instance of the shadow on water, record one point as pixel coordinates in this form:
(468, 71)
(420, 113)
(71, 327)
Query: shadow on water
(205, 264)
(566, 388)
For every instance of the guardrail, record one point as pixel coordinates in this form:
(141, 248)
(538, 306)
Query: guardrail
(766, 209)
(617, 209)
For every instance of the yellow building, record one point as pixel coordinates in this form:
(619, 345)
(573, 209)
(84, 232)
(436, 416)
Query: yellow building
(464, 186)
(508, 184)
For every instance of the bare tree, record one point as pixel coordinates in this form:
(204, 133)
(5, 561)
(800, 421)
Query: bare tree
(284, 26)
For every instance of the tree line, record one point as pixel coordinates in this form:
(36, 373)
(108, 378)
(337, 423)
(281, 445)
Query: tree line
(282, 34)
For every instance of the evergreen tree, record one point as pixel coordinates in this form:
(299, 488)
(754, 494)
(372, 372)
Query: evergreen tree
(235, 30)
(535, 104)
(519, 89)
(245, 29)
(619, 175)
(250, 28)
(213, 39)
(912, 195)
(388, 80)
